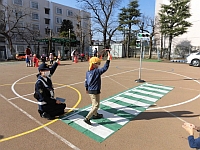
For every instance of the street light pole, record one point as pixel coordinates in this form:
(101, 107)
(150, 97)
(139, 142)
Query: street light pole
(50, 41)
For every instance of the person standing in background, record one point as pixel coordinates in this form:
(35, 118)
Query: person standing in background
(95, 52)
(28, 52)
(51, 58)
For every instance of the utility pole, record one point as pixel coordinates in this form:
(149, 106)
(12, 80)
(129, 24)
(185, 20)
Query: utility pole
(50, 42)
(70, 41)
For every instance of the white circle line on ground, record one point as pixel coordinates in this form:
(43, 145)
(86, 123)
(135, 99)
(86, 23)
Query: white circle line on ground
(13, 85)
(190, 100)
(177, 104)
(32, 118)
(46, 128)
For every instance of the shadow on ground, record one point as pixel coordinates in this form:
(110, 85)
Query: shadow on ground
(1, 136)
(155, 115)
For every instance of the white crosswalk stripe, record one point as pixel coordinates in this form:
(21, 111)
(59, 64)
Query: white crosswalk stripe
(141, 96)
(146, 92)
(95, 128)
(117, 110)
(122, 108)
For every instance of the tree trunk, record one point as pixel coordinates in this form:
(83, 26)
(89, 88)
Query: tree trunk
(129, 39)
(169, 47)
(104, 38)
(161, 45)
(150, 47)
(10, 45)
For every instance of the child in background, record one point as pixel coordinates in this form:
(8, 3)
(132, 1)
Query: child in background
(27, 60)
(30, 60)
(93, 85)
(34, 60)
(51, 58)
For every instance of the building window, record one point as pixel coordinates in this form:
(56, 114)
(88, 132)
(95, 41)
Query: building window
(46, 10)
(18, 14)
(57, 29)
(58, 10)
(18, 2)
(58, 20)
(69, 13)
(35, 16)
(47, 20)
(35, 26)
(34, 5)
(20, 49)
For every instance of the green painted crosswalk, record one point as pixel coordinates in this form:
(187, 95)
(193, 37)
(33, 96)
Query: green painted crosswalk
(117, 110)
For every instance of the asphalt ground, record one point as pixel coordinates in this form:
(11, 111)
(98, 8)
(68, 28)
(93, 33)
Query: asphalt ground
(158, 128)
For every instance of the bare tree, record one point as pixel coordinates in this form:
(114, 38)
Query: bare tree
(103, 11)
(10, 20)
(149, 24)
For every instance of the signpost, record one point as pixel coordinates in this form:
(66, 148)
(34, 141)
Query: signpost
(139, 44)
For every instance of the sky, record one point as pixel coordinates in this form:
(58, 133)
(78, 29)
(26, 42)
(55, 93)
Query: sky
(147, 7)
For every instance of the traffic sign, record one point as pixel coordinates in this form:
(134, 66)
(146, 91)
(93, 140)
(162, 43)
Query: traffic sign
(143, 35)
(138, 44)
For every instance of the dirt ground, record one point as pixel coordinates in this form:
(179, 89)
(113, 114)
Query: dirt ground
(158, 128)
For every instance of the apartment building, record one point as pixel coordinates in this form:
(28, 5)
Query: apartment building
(48, 16)
(192, 37)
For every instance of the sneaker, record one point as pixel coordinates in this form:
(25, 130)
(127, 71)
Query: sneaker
(47, 116)
(99, 116)
(87, 121)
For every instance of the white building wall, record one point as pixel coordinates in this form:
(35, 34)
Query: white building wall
(193, 34)
(53, 25)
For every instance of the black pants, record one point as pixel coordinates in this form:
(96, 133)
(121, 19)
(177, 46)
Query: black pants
(54, 110)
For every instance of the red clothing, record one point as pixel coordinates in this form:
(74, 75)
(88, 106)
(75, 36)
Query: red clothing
(34, 59)
(28, 51)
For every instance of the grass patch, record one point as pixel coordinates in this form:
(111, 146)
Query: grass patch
(152, 60)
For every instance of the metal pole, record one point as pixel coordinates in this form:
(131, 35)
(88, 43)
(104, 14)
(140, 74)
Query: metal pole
(140, 59)
(70, 42)
(141, 52)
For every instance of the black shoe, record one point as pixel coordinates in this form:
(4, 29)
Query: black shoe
(40, 112)
(99, 116)
(87, 121)
(47, 116)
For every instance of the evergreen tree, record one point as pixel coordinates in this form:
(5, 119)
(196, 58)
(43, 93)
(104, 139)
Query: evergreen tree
(173, 20)
(66, 29)
(128, 17)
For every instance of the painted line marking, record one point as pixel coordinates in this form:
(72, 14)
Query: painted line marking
(41, 126)
(112, 117)
(117, 110)
(131, 101)
(146, 92)
(95, 128)
(153, 89)
(190, 100)
(122, 108)
(142, 97)
(159, 86)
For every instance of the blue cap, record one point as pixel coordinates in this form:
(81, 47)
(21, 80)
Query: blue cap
(43, 66)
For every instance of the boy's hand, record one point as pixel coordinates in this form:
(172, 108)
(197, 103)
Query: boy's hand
(108, 52)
